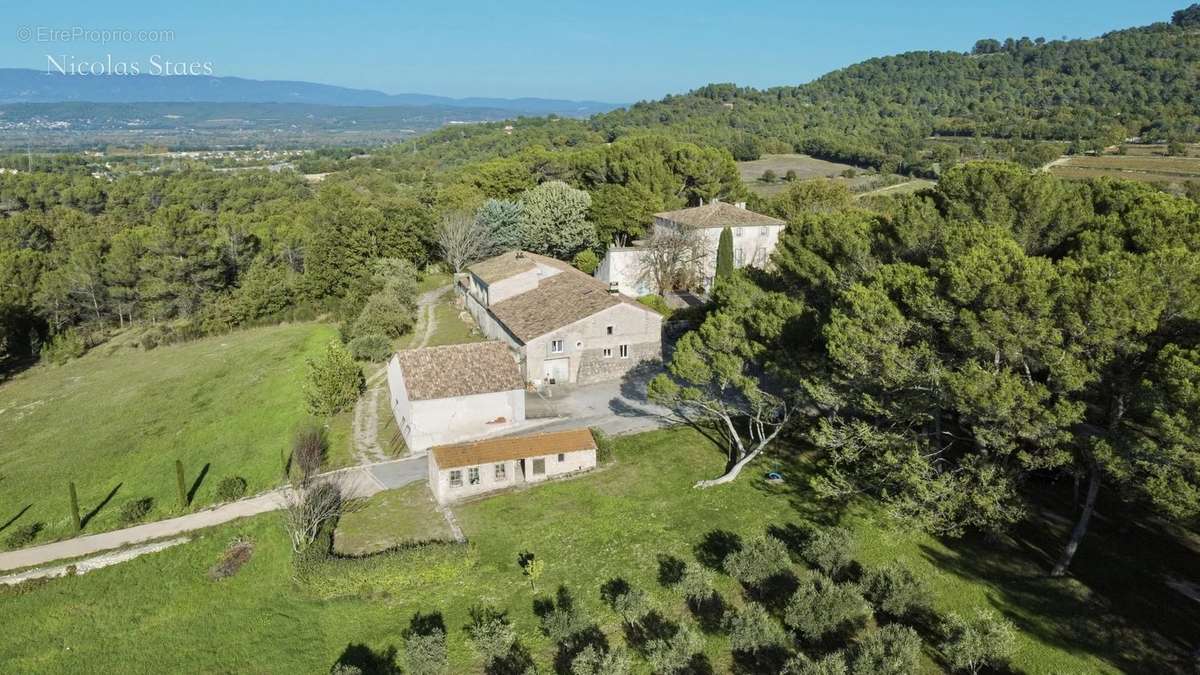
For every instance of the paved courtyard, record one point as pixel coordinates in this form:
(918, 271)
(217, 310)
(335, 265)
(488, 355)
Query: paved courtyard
(616, 407)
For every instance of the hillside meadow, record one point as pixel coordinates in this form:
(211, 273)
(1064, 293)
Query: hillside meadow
(163, 612)
(115, 421)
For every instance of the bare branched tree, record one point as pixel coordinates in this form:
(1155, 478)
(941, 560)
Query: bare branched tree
(674, 258)
(310, 507)
(463, 239)
(308, 450)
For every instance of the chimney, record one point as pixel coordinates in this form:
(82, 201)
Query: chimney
(740, 205)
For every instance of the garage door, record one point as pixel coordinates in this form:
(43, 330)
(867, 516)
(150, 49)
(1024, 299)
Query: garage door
(557, 370)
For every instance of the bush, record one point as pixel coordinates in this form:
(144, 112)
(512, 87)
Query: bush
(231, 488)
(562, 619)
(23, 536)
(832, 664)
(894, 591)
(134, 510)
(63, 347)
(631, 603)
(791, 176)
(820, 607)
(656, 303)
(697, 583)
(830, 550)
(384, 314)
(593, 661)
(673, 654)
(345, 669)
(769, 176)
(373, 348)
(425, 654)
(891, 650)
(308, 449)
(759, 559)
(983, 641)
(752, 628)
(490, 633)
(604, 446)
(586, 261)
(334, 381)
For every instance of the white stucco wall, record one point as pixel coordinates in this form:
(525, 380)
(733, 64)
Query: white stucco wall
(624, 267)
(752, 246)
(450, 420)
(439, 478)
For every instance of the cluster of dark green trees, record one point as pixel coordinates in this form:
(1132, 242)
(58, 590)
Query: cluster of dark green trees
(1005, 325)
(196, 251)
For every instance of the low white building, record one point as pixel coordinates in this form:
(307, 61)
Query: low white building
(454, 393)
(564, 325)
(755, 237)
(464, 470)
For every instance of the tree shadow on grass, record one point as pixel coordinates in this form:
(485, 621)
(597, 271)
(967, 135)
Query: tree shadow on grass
(762, 660)
(709, 612)
(716, 546)
(369, 661)
(568, 649)
(670, 570)
(1116, 603)
(518, 661)
(16, 517)
(425, 624)
(191, 495)
(774, 591)
(87, 518)
(652, 626)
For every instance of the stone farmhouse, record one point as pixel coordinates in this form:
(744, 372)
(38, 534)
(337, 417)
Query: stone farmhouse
(754, 239)
(563, 325)
(448, 394)
(464, 470)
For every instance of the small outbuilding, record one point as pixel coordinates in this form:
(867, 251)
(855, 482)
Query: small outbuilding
(452, 393)
(467, 469)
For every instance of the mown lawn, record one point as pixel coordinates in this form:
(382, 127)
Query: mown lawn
(115, 421)
(403, 516)
(161, 613)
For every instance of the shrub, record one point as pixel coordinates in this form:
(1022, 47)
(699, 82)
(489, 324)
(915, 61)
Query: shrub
(656, 303)
(586, 261)
(759, 559)
(891, 650)
(631, 603)
(425, 654)
(334, 381)
(562, 618)
(593, 661)
(791, 176)
(820, 607)
(972, 644)
(231, 488)
(673, 654)
(895, 591)
(490, 633)
(696, 584)
(752, 628)
(345, 669)
(830, 550)
(308, 449)
(384, 314)
(63, 347)
(373, 348)
(23, 536)
(134, 510)
(604, 445)
(769, 176)
(832, 664)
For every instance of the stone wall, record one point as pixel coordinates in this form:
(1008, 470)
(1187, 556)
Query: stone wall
(595, 367)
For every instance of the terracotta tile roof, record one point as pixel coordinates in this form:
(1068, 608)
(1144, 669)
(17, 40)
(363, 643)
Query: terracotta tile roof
(512, 447)
(557, 301)
(503, 266)
(459, 370)
(718, 214)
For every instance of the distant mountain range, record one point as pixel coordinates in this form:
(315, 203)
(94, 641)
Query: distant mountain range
(21, 85)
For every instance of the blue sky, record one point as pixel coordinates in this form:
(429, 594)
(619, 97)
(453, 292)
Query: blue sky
(614, 51)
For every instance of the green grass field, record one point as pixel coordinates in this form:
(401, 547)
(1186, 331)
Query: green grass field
(161, 612)
(115, 421)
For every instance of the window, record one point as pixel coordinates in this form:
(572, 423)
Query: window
(624, 349)
(740, 257)
(473, 475)
(456, 478)
(737, 231)
(556, 346)
(501, 472)
(764, 230)
(607, 352)
(609, 330)
(539, 467)
(562, 457)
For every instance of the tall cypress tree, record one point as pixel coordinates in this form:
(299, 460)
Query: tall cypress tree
(725, 254)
